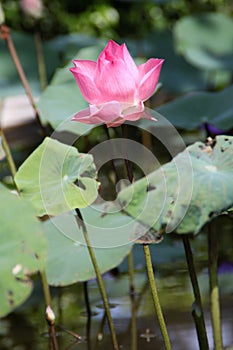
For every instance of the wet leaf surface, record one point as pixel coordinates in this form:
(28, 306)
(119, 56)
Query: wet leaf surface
(188, 191)
(68, 256)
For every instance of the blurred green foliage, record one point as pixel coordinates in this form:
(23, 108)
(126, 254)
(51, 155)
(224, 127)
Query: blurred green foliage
(108, 18)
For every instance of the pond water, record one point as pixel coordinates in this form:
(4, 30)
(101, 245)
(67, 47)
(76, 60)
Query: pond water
(134, 319)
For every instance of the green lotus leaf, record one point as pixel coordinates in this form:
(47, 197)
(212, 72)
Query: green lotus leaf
(186, 193)
(22, 251)
(68, 257)
(57, 178)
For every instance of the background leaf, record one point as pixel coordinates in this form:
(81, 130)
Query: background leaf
(57, 178)
(191, 111)
(177, 76)
(22, 251)
(205, 40)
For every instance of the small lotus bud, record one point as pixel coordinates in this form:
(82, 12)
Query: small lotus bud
(100, 336)
(17, 269)
(50, 316)
(33, 8)
(2, 15)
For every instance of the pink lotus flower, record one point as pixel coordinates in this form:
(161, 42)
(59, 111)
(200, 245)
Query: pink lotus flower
(32, 8)
(114, 86)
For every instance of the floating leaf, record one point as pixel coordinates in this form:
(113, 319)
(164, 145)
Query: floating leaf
(187, 192)
(68, 256)
(22, 250)
(191, 111)
(206, 40)
(57, 178)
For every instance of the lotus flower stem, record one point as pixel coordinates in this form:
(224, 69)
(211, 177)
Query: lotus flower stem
(127, 163)
(46, 290)
(7, 37)
(197, 312)
(155, 297)
(214, 290)
(112, 160)
(99, 280)
(50, 317)
(100, 331)
(131, 178)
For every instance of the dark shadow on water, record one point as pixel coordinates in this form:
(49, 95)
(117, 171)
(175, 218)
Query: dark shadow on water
(136, 325)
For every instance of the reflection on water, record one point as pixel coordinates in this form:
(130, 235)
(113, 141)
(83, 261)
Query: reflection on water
(136, 325)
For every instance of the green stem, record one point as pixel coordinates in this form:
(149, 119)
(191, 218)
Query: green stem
(40, 60)
(7, 151)
(131, 179)
(155, 297)
(100, 336)
(51, 324)
(45, 285)
(99, 280)
(147, 140)
(214, 290)
(112, 160)
(127, 163)
(198, 313)
(131, 272)
(7, 37)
